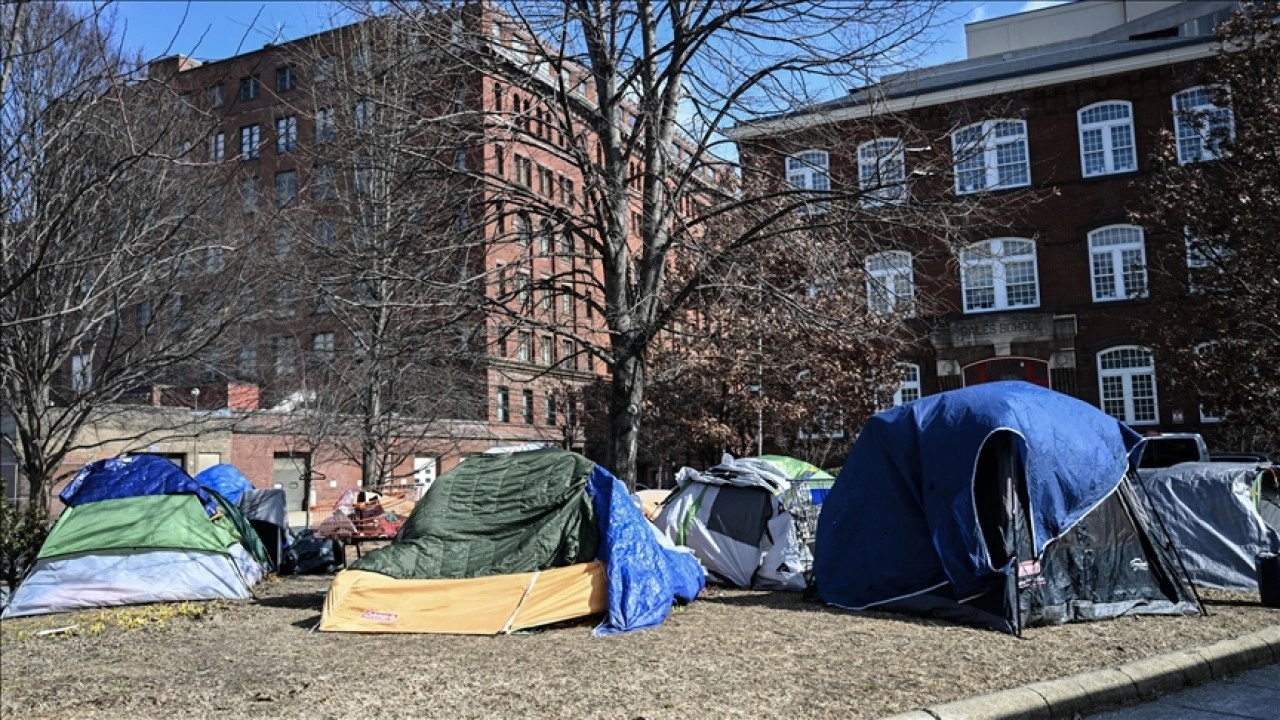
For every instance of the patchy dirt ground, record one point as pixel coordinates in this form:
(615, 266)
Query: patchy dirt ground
(730, 654)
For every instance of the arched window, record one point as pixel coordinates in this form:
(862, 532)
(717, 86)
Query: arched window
(991, 155)
(882, 171)
(1117, 263)
(810, 170)
(1200, 125)
(999, 274)
(1106, 138)
(1127, 385)
(890, 285)
(910, 388)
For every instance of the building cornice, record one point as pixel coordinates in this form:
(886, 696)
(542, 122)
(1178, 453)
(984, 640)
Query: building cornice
(1001, 86)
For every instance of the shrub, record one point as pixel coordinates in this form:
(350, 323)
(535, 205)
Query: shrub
(22, 532)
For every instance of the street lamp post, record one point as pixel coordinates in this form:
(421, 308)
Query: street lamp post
(195, 436)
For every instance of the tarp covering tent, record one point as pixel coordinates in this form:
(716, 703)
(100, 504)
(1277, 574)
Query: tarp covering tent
(160, 544)
(1001, 505)
(745, 520)
(225, 480)
(515, 540)
(1209, 511)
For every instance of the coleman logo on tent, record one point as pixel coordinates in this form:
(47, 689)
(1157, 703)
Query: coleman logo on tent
(378, 616)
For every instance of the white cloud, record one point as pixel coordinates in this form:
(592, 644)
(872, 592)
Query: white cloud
(978, 14)
(1038, 5)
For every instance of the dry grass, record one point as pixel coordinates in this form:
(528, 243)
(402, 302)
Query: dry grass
(730, 654)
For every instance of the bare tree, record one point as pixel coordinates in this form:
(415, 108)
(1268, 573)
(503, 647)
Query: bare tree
(1217, 337)
(636, 95)
(112, 280)
(381, 245)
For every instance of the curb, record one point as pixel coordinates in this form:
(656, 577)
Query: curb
(1066, 698)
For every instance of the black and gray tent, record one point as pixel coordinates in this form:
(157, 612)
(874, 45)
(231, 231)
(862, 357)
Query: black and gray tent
(745, 520)
(1211, 513)
(266, 511)
(1002, 505)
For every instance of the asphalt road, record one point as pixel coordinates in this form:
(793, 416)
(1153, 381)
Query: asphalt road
(1254, 695)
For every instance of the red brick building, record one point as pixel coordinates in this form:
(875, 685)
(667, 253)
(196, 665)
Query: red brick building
(502, 168)
(1054, 116)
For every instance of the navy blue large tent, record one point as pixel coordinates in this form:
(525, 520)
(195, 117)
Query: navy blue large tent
(1001, 505)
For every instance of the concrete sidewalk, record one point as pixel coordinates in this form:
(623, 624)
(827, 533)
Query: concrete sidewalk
(1067, 698)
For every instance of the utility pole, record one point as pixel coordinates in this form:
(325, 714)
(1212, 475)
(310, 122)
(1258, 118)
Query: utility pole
(195, 435)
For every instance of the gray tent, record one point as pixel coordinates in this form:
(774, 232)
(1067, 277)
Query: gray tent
(735, 517)
(1210, 513)
(266, 511)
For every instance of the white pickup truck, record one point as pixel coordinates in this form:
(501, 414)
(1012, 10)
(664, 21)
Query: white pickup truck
(1168, 449)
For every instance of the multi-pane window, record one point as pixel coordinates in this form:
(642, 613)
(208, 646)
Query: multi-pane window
(250, 137)
(363, 177)
(999, 274)
(551, 410)
(504, 405)
(1200, 126)
(523, 233)
(567, 355)
(363, 58)
(1117, 263)
(910, 388)
(546, 350)
(526, 406)
(247, 362)
(286, 296)
(1127, 385)
(325, 295)
(546, 182)
(249, 88)
(284, 355)
(322, 183)
(217, 96)
(286, 134)
(566, 242)
(882, 171)
(499, 162)
(214, 259)
(523, 289)
(460, 159)
(1208, 414)
(566, 191)
(890, 285)
(566, 302)
(523, 340)
(286, 79)
(524, 171)
(81, 372)
(810, 170)
(249, 195)
(991, 155)
(322, 346)
(363, 115)
(545, 234)
(324, 234)
(286, 188)
(217, 147)
(326, 126)
(1206, 262)
(324, 69)
(1106, 138)
(544, 293)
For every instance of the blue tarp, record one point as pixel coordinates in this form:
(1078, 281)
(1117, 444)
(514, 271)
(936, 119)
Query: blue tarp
(132, 476)
(645, 576)
(225, 480)
(901, 520)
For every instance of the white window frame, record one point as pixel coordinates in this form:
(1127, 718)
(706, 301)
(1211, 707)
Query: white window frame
(322, 345)
(1117, 157)
(909, 389)
(891, 286)
(1199, 122)
(362, 115)
(810, 170)
(326, 126)
(1119, 255)
(882, 171)
(1128, 375)
(992, 255)
(986, 146)
(1202, 256)
(504, 405)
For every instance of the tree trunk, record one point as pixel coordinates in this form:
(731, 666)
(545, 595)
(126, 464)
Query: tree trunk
(627, 397)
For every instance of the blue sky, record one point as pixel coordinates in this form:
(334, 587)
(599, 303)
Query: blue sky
(217, 30)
